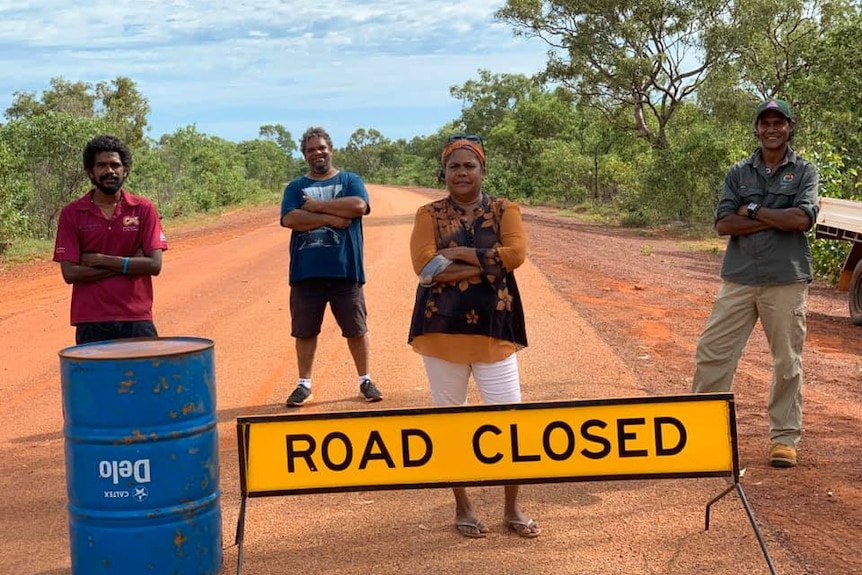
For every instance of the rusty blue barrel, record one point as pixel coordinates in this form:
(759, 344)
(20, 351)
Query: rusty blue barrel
(141, 444)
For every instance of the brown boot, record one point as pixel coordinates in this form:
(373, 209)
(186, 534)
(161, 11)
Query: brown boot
(782, 455)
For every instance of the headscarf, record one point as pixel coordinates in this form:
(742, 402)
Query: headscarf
(463, 143)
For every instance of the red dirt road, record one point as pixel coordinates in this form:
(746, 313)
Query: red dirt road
(610, 313)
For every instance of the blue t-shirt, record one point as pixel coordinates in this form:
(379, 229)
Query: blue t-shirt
(326, 252)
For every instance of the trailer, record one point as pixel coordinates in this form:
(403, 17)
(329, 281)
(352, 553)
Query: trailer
(842, 220)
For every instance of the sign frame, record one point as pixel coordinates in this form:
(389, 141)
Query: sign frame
(731, 471)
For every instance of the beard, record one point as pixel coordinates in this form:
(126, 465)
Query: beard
(109, 185)
(322, 167)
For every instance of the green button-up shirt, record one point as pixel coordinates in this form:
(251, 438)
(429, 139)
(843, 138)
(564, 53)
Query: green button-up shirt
(771, 256)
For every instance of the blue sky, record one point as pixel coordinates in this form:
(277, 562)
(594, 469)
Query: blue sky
(230, 66)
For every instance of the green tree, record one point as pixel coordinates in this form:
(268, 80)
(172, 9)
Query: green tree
(73, 98)
(125, 109)
(151, 177)
(207, 172)
(723, 99)
(772, 36)
(118, 102)
(837, 180)
(281, 136)
(643, 57)
(563, 173)
(674, 192)
(487, 101)
(266, 162)
(418, 160)
(13, 194)
(517, 144)
(368, 152)
(831, 90)
(596, 138)
(49, 147)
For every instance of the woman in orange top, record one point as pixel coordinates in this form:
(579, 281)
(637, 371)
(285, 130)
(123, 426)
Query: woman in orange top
(468, 318)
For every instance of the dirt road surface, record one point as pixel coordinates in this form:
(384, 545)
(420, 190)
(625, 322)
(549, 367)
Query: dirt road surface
(610, 313)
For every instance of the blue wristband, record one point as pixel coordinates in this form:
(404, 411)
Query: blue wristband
(125, 265)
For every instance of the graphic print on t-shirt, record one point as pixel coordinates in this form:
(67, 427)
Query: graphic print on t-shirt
(324, 237)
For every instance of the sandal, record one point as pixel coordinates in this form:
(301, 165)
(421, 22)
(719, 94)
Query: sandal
(528, 528)
(473, 529)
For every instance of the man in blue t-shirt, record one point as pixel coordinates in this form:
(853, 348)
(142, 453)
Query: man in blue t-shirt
(324, 210)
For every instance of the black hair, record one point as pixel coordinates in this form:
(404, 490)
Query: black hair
(314, 132)
(106, 143)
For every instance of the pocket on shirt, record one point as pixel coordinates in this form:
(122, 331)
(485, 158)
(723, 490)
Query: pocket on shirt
(752, 194)
(781, 198)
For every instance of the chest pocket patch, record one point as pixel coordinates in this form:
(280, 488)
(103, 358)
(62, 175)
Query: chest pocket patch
(131, 223)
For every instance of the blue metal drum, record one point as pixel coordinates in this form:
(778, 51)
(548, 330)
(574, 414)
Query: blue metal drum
(142, 467)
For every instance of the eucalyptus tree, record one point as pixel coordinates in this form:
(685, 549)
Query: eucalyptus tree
(73, 98)
(118, 102)
(517, 147)
(281, 136)
(206, 172)
(13, 197)
(515, 115)
(645, 57)
(421, 156)
(48, 149)
(125, 109)
(772, 39)
(368, 152)
(266, 162)
(830, 93)
(486, 101)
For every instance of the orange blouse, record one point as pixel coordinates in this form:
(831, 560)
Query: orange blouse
(483, 319)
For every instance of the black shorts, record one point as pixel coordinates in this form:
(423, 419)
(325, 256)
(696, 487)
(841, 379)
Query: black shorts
(308, 300)
(105, 330)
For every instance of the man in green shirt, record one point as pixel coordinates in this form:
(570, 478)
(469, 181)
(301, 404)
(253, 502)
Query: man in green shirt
(768, 204)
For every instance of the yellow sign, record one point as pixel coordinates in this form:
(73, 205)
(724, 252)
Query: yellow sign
(677, 436)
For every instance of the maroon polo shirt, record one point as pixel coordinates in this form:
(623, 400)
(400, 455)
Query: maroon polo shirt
(83, 228)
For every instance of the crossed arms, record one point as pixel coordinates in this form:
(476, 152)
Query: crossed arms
(95, 266)
(335, 213)
(465, 264)
(733, 218)
(785, 219)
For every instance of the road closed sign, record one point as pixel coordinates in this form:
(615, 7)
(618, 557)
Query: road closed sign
(627, 438)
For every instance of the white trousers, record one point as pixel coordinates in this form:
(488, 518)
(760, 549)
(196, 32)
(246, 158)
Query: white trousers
(497, 382)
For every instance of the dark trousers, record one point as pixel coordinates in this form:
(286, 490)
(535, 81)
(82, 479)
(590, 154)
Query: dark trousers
(103, 331)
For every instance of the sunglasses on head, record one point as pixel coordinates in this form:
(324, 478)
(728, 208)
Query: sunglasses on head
(477, 139)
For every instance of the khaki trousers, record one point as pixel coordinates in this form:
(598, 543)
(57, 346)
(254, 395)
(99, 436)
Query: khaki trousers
(781, 310)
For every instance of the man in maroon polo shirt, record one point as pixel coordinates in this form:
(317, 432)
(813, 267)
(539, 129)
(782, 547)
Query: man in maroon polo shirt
(109, 245)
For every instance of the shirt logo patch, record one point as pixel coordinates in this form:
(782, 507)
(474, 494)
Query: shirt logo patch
(129, 221)
(787, 178)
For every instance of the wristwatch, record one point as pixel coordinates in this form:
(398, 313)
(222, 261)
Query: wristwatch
(752, 210)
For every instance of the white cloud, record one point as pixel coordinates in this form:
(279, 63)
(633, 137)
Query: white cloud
(226, 63)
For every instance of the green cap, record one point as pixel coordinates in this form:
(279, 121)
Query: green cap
(779, 106)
